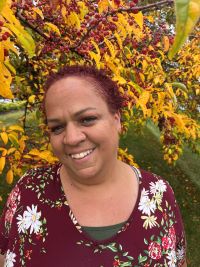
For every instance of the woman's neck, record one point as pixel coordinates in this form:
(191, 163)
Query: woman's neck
(102, 180)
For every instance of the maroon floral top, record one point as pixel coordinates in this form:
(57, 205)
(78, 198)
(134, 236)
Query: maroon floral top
(38, 228)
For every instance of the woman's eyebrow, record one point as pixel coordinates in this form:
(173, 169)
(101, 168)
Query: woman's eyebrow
(76, 114)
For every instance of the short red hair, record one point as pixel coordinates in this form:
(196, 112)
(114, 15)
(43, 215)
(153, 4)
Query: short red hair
(104, 85)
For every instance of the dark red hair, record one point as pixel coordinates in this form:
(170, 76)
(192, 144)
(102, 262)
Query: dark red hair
(107, 88)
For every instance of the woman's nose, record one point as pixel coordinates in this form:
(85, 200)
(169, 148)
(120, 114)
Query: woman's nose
(73, 135)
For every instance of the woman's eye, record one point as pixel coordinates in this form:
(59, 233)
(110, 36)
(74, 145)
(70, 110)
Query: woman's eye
(88, 120)
(56, 129)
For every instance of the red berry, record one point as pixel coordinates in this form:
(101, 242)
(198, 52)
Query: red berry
(132, 4)
(117, 2)
(7, 34)
(1, 23)
(5, 52)
(4, 37)
(115, 18)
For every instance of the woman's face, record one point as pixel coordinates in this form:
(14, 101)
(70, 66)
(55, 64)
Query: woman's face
(83, 132)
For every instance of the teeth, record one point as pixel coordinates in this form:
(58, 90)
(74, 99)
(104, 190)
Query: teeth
(82, 154)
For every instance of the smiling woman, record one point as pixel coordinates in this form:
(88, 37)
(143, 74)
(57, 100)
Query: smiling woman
(99, 210)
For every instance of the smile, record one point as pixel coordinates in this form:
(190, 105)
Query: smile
(82, 154)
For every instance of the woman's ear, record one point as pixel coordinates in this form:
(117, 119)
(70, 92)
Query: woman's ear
(117, 117)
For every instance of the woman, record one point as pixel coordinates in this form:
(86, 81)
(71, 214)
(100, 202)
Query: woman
(90, 209)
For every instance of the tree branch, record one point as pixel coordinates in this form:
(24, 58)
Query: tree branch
(31, 26)
(128, 10)
(110, 13)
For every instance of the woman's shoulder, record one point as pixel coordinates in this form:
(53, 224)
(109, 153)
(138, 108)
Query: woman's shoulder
(155, 184)
(36, 175)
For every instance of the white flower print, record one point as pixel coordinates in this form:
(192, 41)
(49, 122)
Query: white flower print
(10, 259)
(150, 221)
(21, 223)
(146, 205)
(158, 187)
(161, 186)
(144, 193)
(32, 219)
(172, 258)
(180, 253)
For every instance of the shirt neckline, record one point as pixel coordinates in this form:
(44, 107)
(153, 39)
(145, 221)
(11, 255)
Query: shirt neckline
(80, 228)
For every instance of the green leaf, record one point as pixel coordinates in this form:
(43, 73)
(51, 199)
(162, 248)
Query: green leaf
(142, 258)
(187, 15)
(112, 248)
(126, 264)
(152, 237)
(179, 85)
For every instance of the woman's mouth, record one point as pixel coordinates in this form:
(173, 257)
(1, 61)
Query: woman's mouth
(82, 154)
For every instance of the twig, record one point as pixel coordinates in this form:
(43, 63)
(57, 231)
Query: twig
(121, 10)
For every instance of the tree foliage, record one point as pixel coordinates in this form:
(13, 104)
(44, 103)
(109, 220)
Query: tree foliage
(130, 41)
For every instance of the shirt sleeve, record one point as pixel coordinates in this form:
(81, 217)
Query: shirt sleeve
(7, 218)
(178, 231)
(3, 236)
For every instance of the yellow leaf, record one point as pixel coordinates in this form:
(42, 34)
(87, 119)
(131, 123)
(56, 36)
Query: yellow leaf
(74, 20)
(16, 128)
(34, 152)
(5, 81)
(10, 67)
(4, 151)
(96, 57)
(119, 41)
(111, 47)
(4, 137)
(2, 163)
(139, 19)
(83, 9)
(10, 46)
(96, 47)
(38, 11)
(22, 35)
(150, 18)
(22, 144)
(103, 6)
(142, 77)
(9, 177)
(144, 97)
(13, 139)
(119, 79)
(11, 150)
(63, 11)
(52, 27)
(165, 42)
(17, 155)
(31, 99)
(1, 52)
(2, 4)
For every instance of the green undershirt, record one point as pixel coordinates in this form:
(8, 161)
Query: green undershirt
(104, 232)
